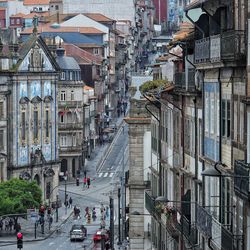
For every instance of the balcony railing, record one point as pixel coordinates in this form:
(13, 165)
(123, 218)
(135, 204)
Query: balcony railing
(149, 202)
(70, 104)
(241, 185)
(228, 46)
(77, 125)
(213, 229)
(185, 227)
(69, 149)
(180, 80)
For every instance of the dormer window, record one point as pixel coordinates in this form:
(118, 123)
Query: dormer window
(62, 75)
(96, 51)
(70, 75)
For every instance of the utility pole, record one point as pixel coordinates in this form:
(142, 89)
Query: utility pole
(111, 225)
(119, 216)
(65, 192)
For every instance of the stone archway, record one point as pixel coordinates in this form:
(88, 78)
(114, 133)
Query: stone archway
(37, 179)
(64, 165)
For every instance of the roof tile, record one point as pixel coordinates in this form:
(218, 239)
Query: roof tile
(36, 2)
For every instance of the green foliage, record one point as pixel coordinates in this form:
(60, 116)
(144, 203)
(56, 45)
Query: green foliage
(152, 85)
(16, 196)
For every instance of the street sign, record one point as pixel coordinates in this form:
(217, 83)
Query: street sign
(32, 214)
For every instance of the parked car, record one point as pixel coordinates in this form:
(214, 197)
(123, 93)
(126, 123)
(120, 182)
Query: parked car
(98, 235)
(78, 232)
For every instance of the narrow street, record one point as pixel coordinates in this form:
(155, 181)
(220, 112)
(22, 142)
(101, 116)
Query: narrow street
(104, 183)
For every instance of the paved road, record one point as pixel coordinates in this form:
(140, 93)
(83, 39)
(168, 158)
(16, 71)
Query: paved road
(104, 183)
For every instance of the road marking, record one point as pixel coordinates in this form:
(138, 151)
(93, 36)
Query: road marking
(100, 175)
(106, 174)
(111, 174)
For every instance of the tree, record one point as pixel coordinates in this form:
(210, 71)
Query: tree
(152, 85)
(16, 196)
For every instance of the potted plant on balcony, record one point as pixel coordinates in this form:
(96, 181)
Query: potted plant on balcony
(169, 212)
(159, 208)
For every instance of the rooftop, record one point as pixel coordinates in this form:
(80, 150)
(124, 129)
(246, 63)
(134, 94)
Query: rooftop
(98, 17)
(47, 28)
(36, 2)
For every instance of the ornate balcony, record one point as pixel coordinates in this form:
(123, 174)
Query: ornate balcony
(218, 48)
(149, 202)
(241, 185)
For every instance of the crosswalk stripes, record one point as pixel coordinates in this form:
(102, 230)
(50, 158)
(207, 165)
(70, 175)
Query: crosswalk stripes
(105, 175)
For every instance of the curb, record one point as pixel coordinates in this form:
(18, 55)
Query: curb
(12, 242)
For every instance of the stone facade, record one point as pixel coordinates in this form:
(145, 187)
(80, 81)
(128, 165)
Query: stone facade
(139, 123)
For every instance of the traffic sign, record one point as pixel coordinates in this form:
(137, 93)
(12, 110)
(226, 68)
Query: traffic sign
(32, 214)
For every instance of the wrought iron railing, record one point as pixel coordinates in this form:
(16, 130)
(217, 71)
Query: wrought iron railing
(241, 185)
(75, 125)
(149, 202)
(228, 46)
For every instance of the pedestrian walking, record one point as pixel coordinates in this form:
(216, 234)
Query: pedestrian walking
(66, 203)
(10, 224)
(70, 202)
(84, 182)
(88, 181)
(85, 173)
(1, 225)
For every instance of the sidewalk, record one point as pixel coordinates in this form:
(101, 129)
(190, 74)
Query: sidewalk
(28, 228)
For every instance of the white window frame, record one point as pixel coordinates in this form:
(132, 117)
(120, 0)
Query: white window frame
(96, 51)
(63, 95)
(63, 140)
(63, 75)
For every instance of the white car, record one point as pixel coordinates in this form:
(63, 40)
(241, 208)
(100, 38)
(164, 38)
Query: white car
(78, 232)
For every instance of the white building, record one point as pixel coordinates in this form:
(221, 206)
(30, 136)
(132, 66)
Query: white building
(115, 9)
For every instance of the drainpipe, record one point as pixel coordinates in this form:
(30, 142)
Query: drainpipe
(220, 143)
(9, 168)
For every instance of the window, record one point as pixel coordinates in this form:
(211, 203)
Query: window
(63, 140)
(96, 51)
(56, 7)
(1, 110)
(72, 96)
(47, 123)
(62, 75)
(12, 21)
(23, 126)
(235, 136)
(35, 131)
(63, 96)
(62, 118)
(206, 111)
(225, 109)
(241, 125)
(74, 140)
(70, 75)
(48, 190)
(1, 139)
(18, 21)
